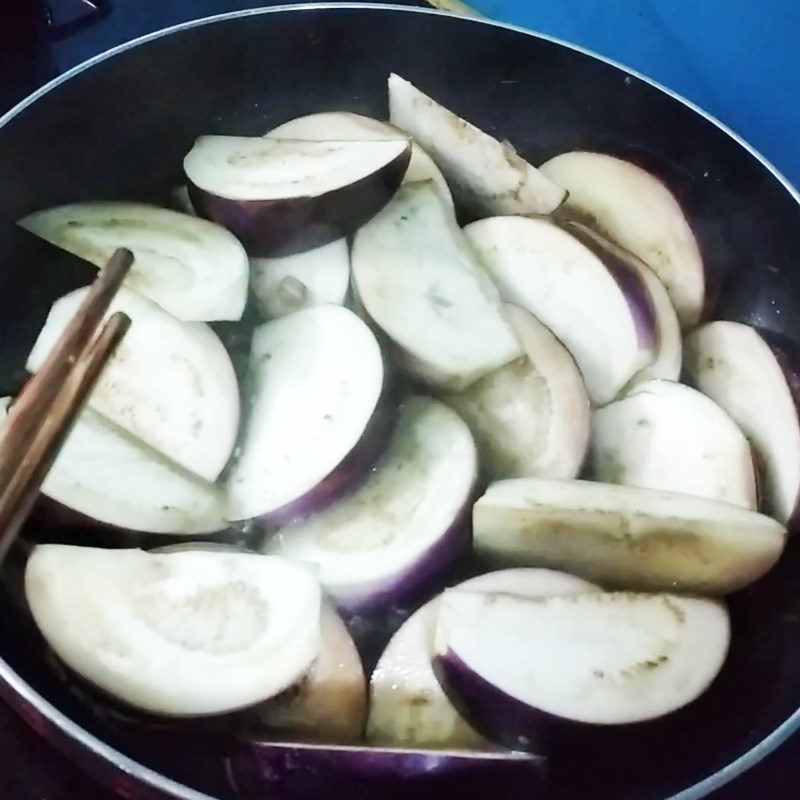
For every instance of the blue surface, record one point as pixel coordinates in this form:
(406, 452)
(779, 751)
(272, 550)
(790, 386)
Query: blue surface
(738, 59)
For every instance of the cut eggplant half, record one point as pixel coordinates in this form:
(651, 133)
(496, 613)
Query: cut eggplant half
(667, 362)
(170, 383)
(635, 209)
(109, 477)
(420, 282)
(487, 176)
(530, 417)
(192, 268)
(626, 537)
(345, 125)
(329, 702)
(558, 279)
(178, 634)
(283, 196)
(295, 771)
(754, 376)
(663, 435)
(407, 705)
(395, 535)
(517, 667)
(315, 425)
(284, 285)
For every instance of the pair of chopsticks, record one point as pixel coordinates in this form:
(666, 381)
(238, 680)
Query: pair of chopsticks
(41, 417)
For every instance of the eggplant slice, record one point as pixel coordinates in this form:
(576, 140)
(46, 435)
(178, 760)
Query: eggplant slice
(407, 705)
(626, 537)
(178, 634)
(487, 176)
(420, 282)
(398, 533)
(635, 209)
(170, 384)
(107, 477)
(296, 771)
(600, 309)
(345, 125)
(329, 702)
(754, 376)
(663, 435)
(284, 196)
(529, 418)
(192, 268)
(520, 667)
(315, 277)
(315, 424)
(667, 362)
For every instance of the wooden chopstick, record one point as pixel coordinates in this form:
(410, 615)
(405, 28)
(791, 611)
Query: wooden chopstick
(24, 415)
(40, 419)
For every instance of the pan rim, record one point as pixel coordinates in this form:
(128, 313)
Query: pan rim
(122, 763)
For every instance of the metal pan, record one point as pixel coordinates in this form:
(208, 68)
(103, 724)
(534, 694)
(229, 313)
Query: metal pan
(117, 128)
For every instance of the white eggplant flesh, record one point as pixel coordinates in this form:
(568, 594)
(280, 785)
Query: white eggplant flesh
(408, 707)
(663, 435)
(329, 702)
(754, 376)
(316, 378)
(637, 210)
(169, 383)
(558, 279)
(109, 478)
(522, 667)
(192, 268)
(105, 474)
(626, 537)
(420, 282)
(267, 168)
(396, 534)
(178, 634)
(282, 286)
(345, 125)
(530, 417)
(486, 176)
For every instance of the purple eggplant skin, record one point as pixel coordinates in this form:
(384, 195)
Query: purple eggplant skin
(511, 723)
(261, 770)
(269, 228)
(503, 719)
(348, 475)
(639, 300)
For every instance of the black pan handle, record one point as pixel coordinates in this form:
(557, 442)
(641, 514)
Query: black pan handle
(66, 17)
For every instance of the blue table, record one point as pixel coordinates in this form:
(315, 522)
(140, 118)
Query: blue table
(737, 59)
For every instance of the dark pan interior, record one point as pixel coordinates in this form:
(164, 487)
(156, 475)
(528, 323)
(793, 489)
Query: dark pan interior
(119, 130)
